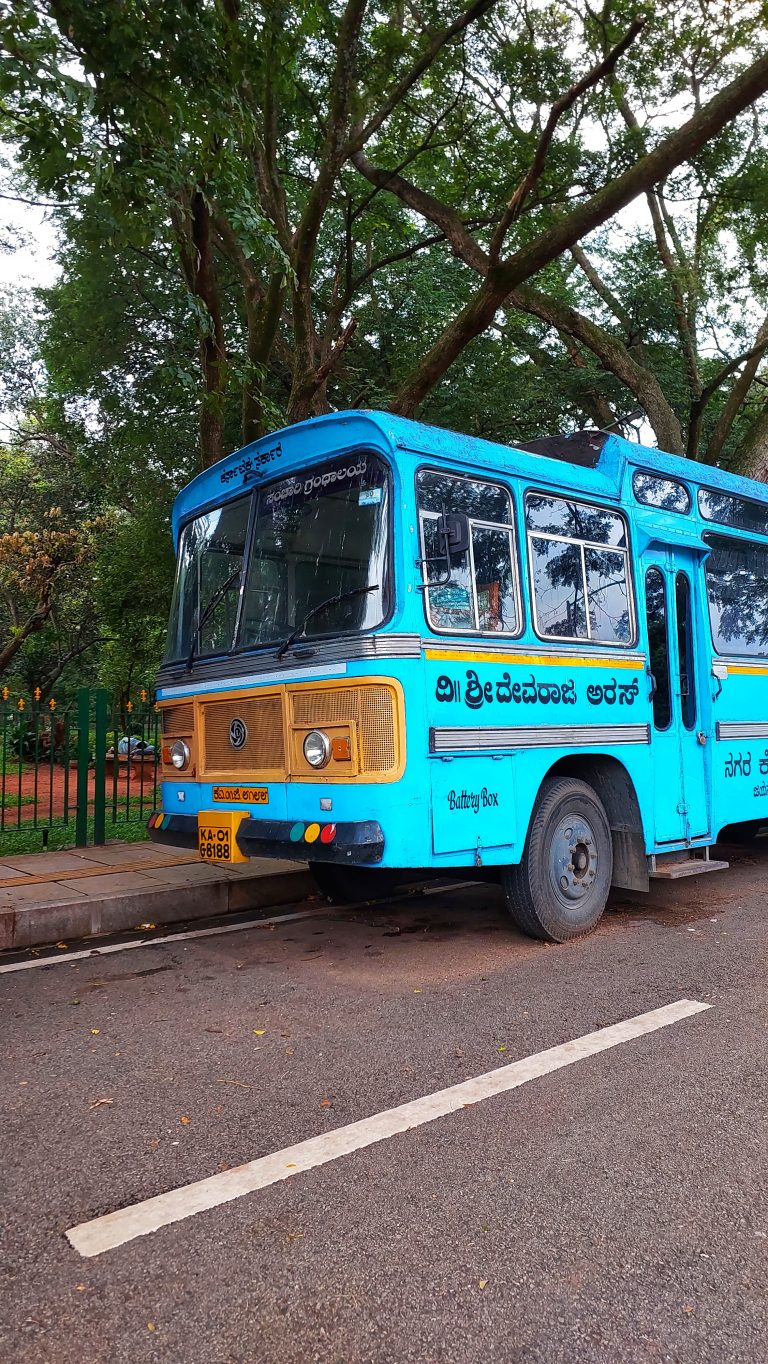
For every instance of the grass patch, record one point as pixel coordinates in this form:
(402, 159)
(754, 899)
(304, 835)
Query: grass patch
(10, 802)
(14, 842)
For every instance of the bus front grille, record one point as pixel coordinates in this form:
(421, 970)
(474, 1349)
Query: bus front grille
(263, 749)
(178, 720)
(371, 708)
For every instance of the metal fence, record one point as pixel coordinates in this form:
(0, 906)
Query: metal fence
(75, 772)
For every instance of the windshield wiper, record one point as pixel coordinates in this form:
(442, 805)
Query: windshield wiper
(322, 606)
(208, 612)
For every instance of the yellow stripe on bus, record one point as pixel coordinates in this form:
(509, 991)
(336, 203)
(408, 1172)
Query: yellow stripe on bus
(747, 670)
(534, 660)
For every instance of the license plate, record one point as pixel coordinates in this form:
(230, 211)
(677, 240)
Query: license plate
(214, 843)
(241, 795)
(217, 835)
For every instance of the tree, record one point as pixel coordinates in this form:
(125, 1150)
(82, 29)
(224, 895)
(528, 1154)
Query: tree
(301, 162)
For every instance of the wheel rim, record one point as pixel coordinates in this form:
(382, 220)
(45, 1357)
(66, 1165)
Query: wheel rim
(573, 860)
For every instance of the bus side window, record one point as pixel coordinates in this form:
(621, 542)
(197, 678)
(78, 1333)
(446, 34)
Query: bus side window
(580, 570)
(479, 590)
(658, 646)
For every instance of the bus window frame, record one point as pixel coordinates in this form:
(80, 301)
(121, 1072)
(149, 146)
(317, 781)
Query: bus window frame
(253, 492)
(740, 538)
(616, 510)
(515, 558)
(665, 478)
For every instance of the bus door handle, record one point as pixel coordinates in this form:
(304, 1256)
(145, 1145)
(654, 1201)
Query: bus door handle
(653, 684)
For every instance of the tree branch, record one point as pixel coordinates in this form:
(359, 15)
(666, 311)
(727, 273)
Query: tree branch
(737, 394)
(364, 133)
(561, 106)
(655, 166)
(613, 355)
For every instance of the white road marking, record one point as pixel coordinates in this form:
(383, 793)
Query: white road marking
(155, 942)
(116, 1228)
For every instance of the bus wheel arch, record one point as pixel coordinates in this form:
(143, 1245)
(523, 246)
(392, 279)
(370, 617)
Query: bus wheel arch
(613, 784)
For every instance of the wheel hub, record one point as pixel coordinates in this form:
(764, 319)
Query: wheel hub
(573, 859)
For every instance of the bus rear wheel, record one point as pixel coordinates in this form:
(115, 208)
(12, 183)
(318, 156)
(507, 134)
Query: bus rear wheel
(559, 889)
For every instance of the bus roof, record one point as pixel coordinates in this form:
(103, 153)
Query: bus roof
(587, 461)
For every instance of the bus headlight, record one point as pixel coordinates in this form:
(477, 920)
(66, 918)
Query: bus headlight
(317, 748)
(180, 755)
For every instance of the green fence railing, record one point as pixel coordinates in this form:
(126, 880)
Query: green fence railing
(75, 773)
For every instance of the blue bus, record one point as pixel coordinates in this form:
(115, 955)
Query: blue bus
(396, 648)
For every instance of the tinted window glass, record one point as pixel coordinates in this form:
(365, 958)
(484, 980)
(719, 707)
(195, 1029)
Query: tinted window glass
(450, 605)
(607, 593)
(482, 501)
(558, 587)
(733, 511)
(737, 589)
(317, 534)
(661, 492)
(211, 550)
(557, 516)
(492, 553)
(685, 659)
(658, 646)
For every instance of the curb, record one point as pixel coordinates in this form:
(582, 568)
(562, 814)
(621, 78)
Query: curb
(36, 925)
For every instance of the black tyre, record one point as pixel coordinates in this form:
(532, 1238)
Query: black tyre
(349, 885)
(559, 889)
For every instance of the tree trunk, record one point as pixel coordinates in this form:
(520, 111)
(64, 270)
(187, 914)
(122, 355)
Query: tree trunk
(31, 626)
(212, 347)
(263, 316)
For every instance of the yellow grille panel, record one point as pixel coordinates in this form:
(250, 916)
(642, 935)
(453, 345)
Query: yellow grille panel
(263, 750)
(377, 729)
(370, 713)
(178, 720)
(371, 708)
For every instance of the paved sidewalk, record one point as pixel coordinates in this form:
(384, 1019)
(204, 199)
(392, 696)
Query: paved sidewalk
(68, 895)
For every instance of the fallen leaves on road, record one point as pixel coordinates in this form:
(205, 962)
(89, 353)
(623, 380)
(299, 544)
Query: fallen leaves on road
(325, 1103)
(151, 1326)
(95, 1032)
(138, 926)
(259, 1032)
(98, 1102)
(184, 1120)
(483, 1283)
(79, 1287)
(62, 945)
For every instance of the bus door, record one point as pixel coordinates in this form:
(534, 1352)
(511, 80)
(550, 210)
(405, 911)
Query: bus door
(677, 688)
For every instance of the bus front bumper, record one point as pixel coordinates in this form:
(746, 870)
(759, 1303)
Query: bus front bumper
(361, 844)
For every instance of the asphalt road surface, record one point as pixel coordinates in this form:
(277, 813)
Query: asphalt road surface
(612, 1209)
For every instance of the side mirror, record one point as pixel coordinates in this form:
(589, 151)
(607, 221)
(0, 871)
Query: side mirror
(453, 530)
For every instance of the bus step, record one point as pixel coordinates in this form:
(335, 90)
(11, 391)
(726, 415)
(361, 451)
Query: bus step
(671, 866)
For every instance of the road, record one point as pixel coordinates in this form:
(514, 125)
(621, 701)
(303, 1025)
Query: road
(614, 1209)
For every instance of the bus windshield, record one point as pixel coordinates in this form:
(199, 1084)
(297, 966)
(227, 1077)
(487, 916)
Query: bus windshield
(316, 534)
